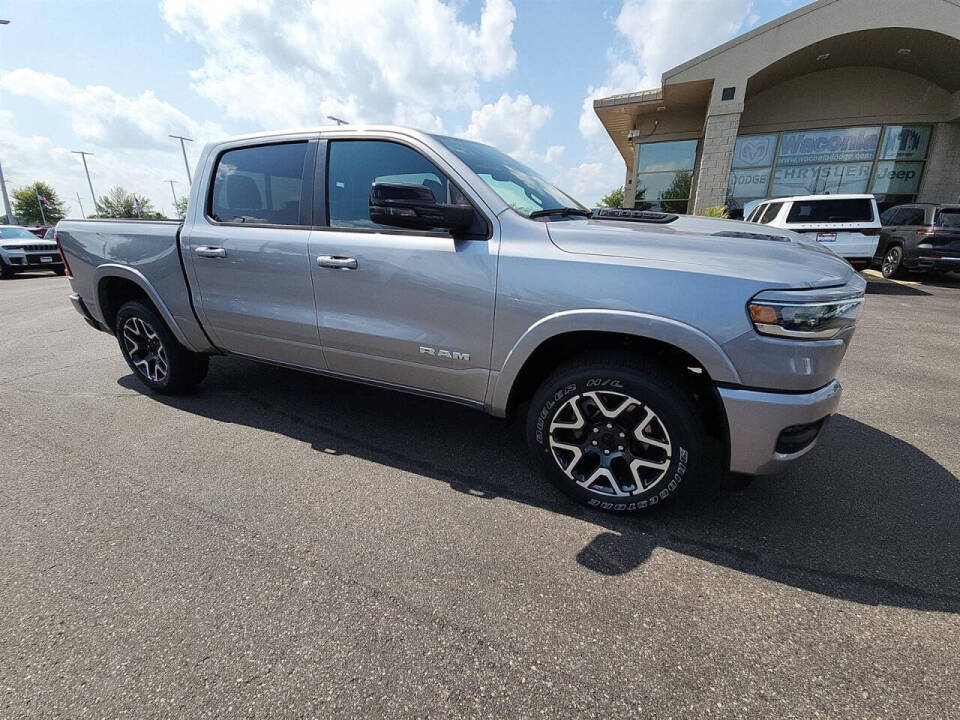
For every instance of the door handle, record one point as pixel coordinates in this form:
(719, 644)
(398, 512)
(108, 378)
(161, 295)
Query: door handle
(211, 252)
(336, 262)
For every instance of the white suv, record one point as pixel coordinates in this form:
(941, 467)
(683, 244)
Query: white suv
(847, 224)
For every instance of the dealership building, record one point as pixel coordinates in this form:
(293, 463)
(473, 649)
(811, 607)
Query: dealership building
(839, 96)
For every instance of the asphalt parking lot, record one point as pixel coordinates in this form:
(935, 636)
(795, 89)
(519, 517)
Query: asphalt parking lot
(282, 545)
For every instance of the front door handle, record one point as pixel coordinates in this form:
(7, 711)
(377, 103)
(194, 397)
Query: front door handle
(336, 262)
(211, 252)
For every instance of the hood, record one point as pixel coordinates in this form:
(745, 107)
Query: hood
(773, 256)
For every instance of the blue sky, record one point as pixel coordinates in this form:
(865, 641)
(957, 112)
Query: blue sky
(115, 78)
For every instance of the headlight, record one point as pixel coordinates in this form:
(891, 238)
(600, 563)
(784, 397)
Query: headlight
(805, 314)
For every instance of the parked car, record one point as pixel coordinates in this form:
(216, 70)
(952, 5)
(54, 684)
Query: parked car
(20, 250)
(922, 237)
(643, 348)
(847, 224)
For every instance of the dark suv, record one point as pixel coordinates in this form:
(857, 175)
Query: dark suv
(921, 237)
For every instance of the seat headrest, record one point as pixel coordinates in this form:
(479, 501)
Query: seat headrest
(242, 192)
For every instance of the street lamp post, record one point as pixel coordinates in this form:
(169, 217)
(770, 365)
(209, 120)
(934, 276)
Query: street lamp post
(82, 216)
(337, 120)
(83, 156)
(11, 218)
(183, 149)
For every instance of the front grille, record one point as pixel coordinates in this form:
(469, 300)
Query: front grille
(34, 248)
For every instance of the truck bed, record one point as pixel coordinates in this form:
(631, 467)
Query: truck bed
(143, 252)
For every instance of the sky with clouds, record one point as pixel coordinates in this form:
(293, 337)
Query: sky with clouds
(116, 78)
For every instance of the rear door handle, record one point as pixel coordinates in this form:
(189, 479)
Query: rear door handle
(336, 262)
(211, 252)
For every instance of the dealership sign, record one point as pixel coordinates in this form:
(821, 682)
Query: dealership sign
(820, 179)
(828, 146)
(748, 183)
(754, 151)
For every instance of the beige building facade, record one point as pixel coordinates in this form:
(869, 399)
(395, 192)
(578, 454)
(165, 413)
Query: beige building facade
(838, 96)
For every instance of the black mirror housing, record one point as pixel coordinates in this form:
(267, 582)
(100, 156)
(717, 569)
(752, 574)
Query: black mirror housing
(415, 207)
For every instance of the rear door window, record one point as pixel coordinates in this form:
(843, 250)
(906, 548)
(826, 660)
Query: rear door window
(949, 218)
(912, 216)
(839, 211)
(261, 185)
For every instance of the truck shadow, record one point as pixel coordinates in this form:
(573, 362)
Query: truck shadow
(866, 517)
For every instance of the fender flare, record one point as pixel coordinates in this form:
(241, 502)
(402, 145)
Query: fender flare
(111, 270)
(672, 332)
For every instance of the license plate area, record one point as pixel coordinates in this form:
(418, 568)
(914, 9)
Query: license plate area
(46, 258)
(827, 237)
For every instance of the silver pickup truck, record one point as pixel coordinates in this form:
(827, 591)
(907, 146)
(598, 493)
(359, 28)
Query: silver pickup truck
(644, 348)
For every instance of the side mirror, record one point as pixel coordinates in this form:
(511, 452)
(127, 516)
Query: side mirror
(415, 207)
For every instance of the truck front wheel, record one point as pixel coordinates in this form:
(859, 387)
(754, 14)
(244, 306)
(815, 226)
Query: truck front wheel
(617, 433)
(153, 353)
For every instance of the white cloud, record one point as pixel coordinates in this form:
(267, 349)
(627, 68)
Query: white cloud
(661, 34)
(29, 157)
(590, 181)
(288, 63)
(511, 125)
(100, 115)
(653, 36)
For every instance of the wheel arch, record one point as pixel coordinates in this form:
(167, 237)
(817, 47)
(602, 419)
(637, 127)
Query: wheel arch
(555, 339)
(117, 284)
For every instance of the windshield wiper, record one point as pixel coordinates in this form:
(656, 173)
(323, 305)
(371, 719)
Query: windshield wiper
(561, 211)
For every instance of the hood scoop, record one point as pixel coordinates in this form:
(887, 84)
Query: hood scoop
(627, 215)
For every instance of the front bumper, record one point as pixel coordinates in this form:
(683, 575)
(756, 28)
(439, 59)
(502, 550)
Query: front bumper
(756, 419)
(32, 260)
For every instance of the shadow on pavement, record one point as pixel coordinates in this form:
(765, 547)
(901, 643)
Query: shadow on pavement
(889, 287)
(865, 517)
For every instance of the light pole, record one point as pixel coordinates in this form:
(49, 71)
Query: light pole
(83, 156)
(183, 149)
(337, 120)
(82, 216)
(174, 191)
(11, 218)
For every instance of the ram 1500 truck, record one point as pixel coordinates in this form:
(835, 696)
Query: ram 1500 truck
(636, 343)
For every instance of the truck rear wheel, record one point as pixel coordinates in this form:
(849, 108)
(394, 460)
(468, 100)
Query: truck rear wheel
(617, 433)
(153, 353)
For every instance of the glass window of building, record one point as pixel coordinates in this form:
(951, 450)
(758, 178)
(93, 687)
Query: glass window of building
(664, 175)
(887, 161)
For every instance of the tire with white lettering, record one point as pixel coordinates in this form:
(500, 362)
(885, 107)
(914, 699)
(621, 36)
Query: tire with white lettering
(617, 433)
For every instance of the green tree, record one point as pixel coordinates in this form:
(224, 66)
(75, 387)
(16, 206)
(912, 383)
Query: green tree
(26, 204)
(613, 200)
(181, 207)
(118, 203)
(679, 189)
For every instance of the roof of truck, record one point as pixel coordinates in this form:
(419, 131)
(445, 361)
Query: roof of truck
(323, 129)
(804, 198)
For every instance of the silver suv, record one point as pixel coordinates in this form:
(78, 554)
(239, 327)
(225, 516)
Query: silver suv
(634, 344)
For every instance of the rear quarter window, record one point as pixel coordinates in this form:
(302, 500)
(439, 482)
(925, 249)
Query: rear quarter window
(770, 213)
(949, 218)
(819, 211)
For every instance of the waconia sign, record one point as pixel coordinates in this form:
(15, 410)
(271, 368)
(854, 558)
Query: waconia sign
(828, 146)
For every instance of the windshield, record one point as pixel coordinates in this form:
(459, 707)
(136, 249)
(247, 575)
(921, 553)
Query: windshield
(517, 185)
(15, 232)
